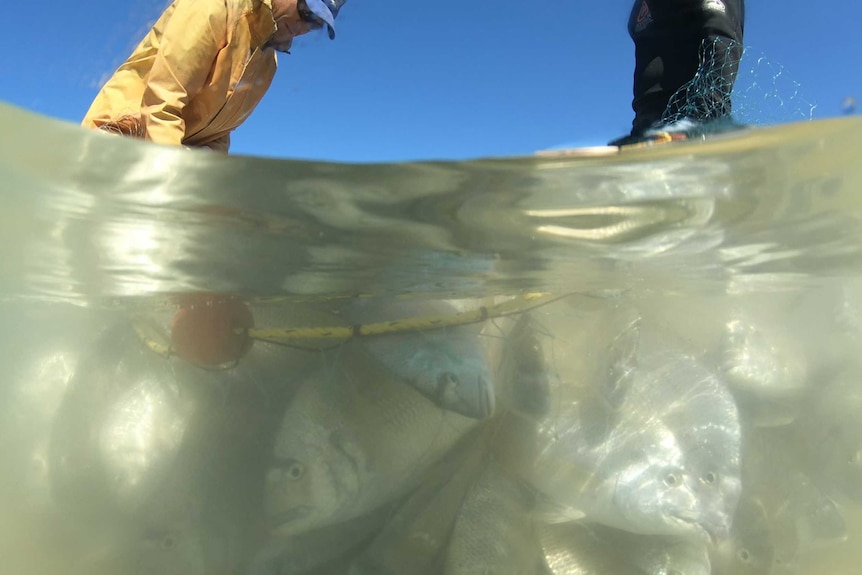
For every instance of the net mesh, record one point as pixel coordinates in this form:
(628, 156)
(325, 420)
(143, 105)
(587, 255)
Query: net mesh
(735, 84)
(129, 125)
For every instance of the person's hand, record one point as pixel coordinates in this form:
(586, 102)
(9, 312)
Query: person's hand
(124, 126)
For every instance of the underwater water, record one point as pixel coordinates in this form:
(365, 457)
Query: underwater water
(644, 363)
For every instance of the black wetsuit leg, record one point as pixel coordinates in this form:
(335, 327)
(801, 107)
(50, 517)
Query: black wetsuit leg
(668, 35)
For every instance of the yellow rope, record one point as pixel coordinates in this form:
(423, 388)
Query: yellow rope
(293, 335)
(159, 348)
(423, 323)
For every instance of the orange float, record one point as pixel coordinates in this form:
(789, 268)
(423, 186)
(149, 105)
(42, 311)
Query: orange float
(211, 330)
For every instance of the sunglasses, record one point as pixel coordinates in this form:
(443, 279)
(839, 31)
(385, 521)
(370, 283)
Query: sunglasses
(306, 15)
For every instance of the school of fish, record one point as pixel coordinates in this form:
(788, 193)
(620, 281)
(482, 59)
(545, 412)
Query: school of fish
(589, 436)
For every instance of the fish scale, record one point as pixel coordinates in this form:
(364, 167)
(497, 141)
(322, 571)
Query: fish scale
(362, 437)
(396, 410)
(494, 533)
(672, 424)
(447, 365)
(588, 549)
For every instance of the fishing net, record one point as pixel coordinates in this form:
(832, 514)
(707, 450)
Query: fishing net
(125, 126)
(734, 82)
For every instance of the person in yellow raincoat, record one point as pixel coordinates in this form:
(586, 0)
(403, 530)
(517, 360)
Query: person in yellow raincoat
(203, 68)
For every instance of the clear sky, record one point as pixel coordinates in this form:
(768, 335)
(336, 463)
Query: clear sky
(432, 80)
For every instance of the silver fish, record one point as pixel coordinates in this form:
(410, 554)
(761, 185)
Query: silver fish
(128, 409)
(172, 550)
(194, 522)
(415, 537)
(40, 357)
(830, 430)
(582, 549)
(164, 443)
(526, 369)
(62, 405)
(574, 549)
(657, 555)
(303, 553)
(186, 547)
(531, 352)
(120, 425)
(751, 547)
(140, 438)
(172, 535)
(446, 365)
(799, 513)
(766, 369)
(782, 514)
(352, 439)
(656, 453)
(494, 532)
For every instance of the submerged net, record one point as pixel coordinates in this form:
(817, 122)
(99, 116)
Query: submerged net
(734, 82)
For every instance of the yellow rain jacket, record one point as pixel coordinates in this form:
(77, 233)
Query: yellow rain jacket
(196, 76)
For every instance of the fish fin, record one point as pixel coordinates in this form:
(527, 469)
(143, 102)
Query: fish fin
(823, 521)
(553, 513)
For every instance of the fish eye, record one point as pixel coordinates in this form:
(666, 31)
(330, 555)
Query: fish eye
(709, 478)
(671, 480)
(168, 542)
(295, 470)
(290, 469)
(744, 555)
(856, 458)
(449, 379)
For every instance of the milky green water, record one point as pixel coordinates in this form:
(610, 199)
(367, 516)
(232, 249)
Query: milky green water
(763, 226)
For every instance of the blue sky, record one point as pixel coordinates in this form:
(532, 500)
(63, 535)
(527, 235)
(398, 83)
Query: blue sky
(431, 80)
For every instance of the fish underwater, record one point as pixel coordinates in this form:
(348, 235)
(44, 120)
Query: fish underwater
(830, 429)
(626, 457)
(589, 549)
(447, 365)
(179, 531)
(352, 439)
(752, 341)
(39, 363)
(525, 367)
(319, 548)
(416, 536)
(127, 413)
(174, 450)
(178, 549)
(655, 451)
(494, 533)
(574, 549)
(750, 549)
(782, 513)
(120, 424)
(765, 368)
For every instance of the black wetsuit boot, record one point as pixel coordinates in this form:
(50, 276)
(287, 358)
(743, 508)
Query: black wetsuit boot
(693, 43)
